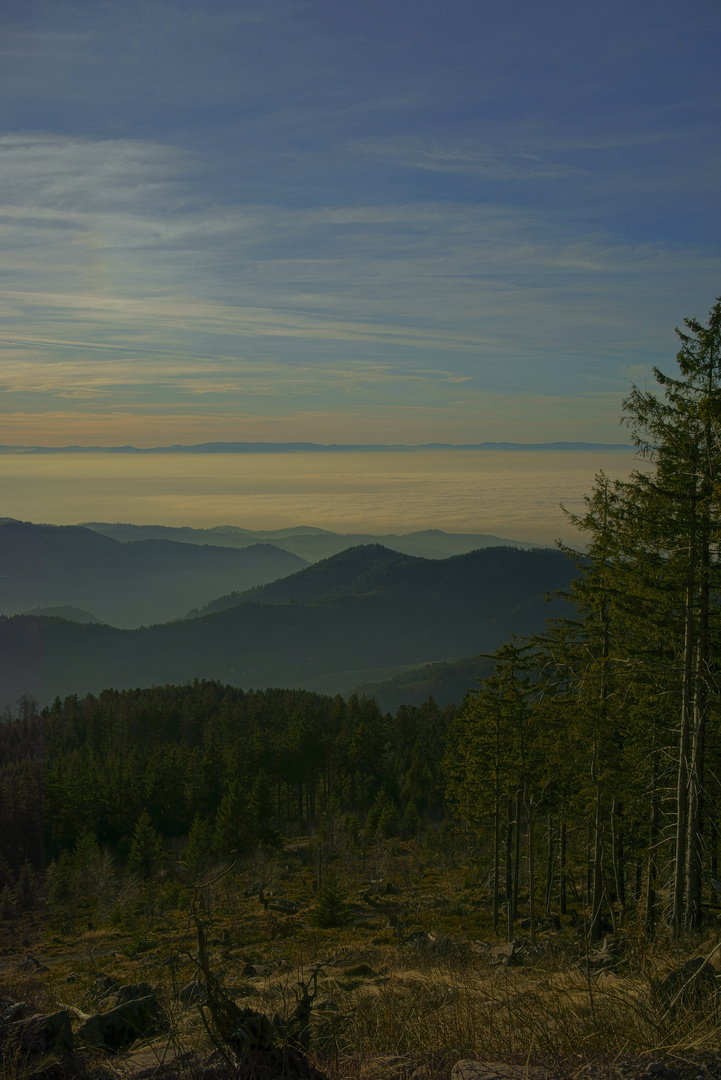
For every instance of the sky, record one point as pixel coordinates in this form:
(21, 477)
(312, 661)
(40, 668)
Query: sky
(406, 221)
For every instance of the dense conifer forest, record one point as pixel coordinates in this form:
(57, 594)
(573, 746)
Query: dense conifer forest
(212, 761)
(584, 770)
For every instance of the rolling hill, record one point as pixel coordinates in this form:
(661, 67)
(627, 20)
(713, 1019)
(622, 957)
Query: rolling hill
(310, 543)
(360, 616)
(151, 581)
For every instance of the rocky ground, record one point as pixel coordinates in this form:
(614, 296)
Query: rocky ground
(411, 987)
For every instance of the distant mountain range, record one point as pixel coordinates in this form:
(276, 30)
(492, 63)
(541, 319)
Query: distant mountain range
(359, 617)
(310, 543)
(152, 581)
(303, 447)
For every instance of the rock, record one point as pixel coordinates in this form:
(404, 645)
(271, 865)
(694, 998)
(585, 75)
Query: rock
(192, 993)
(255, 1032)
(288, 907)
(360, 971)
(104, 986)
(251, 971)
(441, 944)
(505, 954)
(38, 1034)
(11, 1010)
(134, 993)
(121, 1026)
(423, 1072)
(29, 964)
(692, 981)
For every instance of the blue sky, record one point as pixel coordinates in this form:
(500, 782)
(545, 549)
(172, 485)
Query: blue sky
(369, 222)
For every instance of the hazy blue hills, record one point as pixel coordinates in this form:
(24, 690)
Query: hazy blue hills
(52, 566)
(359, 617)
(311, 544)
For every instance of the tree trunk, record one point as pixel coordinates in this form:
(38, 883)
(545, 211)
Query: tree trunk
(619, 877)
(679, 874)
(496, 856)
(509, 868)
(696, 770)
(598, 889)
(650, 918)
(714, 847)
(531, 872)
(562, 876)
(517, 851)
(550, 853)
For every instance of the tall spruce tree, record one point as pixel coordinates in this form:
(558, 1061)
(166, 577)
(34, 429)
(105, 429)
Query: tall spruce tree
(680, 435)
(647, 596)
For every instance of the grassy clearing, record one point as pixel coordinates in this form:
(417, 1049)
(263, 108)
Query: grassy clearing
(413, 973)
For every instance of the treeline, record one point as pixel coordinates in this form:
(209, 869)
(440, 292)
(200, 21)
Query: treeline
(607, 726)
(210, 762)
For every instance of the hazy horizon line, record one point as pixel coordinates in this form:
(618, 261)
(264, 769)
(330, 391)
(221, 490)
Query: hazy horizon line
(308, 447)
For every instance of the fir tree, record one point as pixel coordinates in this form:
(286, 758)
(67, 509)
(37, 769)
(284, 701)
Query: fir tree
(332, 908)
(146, 850)
(199, 851)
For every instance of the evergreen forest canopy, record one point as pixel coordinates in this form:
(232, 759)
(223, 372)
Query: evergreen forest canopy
(598, 737)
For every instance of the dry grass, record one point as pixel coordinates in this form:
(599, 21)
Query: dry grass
(380, 995)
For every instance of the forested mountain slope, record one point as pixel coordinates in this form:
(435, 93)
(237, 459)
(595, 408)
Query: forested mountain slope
(497, 577)
(357, 613)
(121, 583)
(447, 682)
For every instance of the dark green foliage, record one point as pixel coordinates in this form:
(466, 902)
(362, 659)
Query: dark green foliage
(261, 814)
(383, 816)
(621, 704)
(233, 832)
(198, 853)
(146, 850)
(332, 908)
(411, 821)
(121, 777)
